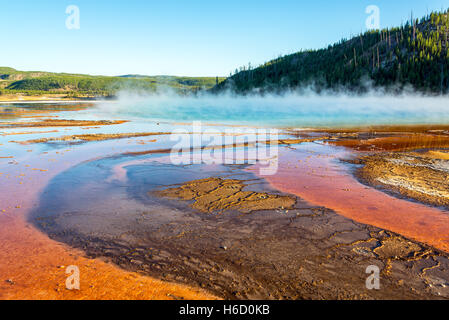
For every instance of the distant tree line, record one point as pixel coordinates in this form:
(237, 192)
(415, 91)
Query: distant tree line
(14, 82)
(415, 54)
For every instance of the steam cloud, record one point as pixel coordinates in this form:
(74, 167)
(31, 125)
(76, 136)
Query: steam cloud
(293, 109)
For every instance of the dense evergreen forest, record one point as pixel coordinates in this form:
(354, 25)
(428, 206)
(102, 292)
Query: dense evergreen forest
(413, 55)
(35, 82)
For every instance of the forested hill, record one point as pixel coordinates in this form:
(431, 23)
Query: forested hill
(36, 82)
(415, 54)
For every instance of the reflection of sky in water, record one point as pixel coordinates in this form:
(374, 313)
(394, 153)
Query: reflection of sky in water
(158, 114)
(136, 125)
(105, 194)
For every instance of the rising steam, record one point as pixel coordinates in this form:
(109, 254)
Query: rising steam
(299, 110)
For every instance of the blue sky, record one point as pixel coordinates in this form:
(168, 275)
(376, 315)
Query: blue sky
(181, 37)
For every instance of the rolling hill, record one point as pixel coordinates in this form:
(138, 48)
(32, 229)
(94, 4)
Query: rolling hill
(36, 82)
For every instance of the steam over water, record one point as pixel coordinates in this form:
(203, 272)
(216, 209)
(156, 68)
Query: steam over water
(289, 110)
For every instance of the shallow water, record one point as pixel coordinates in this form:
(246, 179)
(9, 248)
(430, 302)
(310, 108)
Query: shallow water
(290, 110)
(92, 183)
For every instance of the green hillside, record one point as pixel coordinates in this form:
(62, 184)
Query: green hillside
(415, 54)
(36, 82)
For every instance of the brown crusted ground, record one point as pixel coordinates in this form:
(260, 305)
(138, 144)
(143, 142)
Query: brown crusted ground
(424, 128)
(58, 123)
(295, 141)
(39, 111)
(7, 113)
(421, 176)
(381, 138)
(304, 252)
(397, 248)
(215, 194)
(93, 137)
(378, 138)
(44, 98)
(395, 143)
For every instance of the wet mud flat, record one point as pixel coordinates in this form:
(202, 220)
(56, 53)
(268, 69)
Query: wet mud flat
(227, 231)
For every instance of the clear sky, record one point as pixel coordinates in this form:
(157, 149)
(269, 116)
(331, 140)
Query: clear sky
(181, 37)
